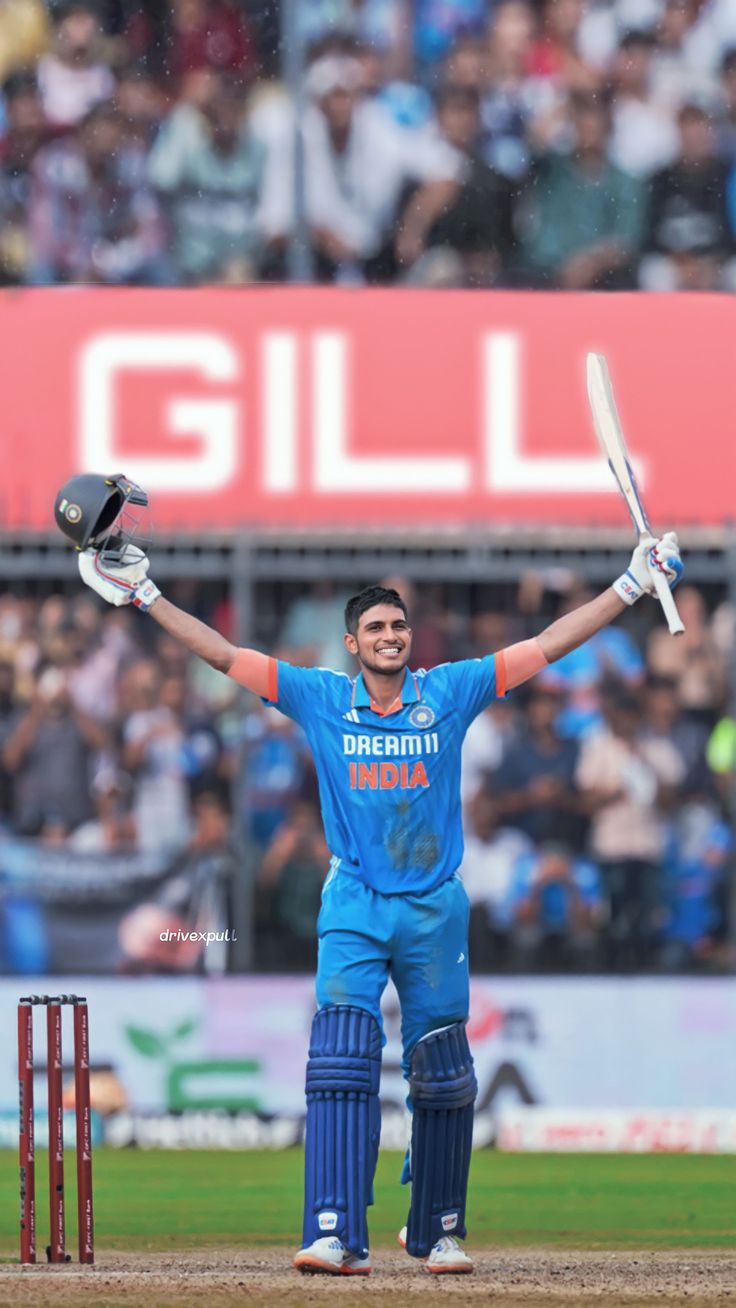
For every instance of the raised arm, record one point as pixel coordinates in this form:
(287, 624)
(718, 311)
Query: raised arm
(131, 585)
(521, 661)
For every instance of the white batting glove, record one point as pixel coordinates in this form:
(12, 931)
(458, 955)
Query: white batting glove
(650, 556)
(120, 584)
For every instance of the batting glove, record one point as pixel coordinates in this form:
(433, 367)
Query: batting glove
(120, 584)
(650, 556)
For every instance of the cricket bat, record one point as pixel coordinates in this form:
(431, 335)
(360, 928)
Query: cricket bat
(610, 434)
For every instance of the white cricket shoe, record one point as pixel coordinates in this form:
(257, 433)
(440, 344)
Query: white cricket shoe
(330, 1255)
(447, 1255)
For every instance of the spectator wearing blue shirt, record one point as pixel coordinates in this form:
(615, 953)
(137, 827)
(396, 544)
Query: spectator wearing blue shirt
(695, 867)
(556, 908)
(273, 773)
(581, 673)
(535, 785)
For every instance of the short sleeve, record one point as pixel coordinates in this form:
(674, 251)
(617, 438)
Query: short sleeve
(475, 683)
(298, 690)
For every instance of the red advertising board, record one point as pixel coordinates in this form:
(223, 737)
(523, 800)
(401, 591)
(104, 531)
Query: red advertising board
(313, 407)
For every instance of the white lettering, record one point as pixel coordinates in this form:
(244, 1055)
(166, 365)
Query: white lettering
(280, 409)
(348, 744)
(336, 469)
(392, 745)
(364, 744)
(507, 468)
(378, 744)
(214, 421)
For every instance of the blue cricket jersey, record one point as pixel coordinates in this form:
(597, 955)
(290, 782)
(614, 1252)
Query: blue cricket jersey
(389, 783)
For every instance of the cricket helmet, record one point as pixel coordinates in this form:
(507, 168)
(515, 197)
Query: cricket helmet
(94, 511)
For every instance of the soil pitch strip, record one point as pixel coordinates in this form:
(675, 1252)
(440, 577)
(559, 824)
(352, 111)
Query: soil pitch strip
(503, 1278)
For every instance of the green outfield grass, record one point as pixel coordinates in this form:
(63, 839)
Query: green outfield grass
(176, 1200)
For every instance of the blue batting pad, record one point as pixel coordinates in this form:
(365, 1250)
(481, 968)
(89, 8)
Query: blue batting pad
(443, 1089)
(343, 1125)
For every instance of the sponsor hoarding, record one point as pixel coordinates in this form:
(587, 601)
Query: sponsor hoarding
(220, 1061)
(320, 407)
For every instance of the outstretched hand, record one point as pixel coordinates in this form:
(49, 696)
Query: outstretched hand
(119, 584)
(650, 557)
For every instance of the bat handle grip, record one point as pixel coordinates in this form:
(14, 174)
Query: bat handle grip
(667, 600)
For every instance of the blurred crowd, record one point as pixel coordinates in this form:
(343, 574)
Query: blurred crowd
(583, 144)
(598, 799)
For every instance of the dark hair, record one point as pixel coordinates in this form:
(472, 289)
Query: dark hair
(21, 82)
(638, 38)
(367, 599)
(728, 62)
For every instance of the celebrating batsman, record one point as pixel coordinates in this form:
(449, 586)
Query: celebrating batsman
(387, 747)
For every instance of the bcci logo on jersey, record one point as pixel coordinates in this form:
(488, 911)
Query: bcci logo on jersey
(422, 716)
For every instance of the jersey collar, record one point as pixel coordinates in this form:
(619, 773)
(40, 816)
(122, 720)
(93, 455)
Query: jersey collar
(408, 693)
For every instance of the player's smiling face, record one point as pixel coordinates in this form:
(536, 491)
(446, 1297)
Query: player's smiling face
(383, 640)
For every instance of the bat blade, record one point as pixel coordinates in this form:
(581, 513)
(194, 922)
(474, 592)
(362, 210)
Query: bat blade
(611, 437)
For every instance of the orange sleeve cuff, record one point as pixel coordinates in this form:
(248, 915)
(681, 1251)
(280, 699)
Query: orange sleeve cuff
(501, 674)
(257, 672)
(518, 663)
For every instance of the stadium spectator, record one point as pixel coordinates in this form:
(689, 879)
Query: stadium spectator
(476, 224)
(207, 167)
(696, 863)
(644, 136)
(535, 786)
(312, 630)
(25, 132)
(721, 757)
(689, 240)
(665, 721)
(24, 31)
(272, 774)
(555, 907)
(726, 123)
(520, 113)
(209, 34)
(610, 654)
(628, 781)
(583, 216)
(73, 75)
(679, 70)
(290, 880)
(492, 851)
(93, 217)
(113, 827)
(50, 755)
(360, 166)
(97, 652)
(9, 714)
(153, 753)
(437, 25)
(141, 103)
(698, 666)
(483, 749)
(556, 52)
(164, 934)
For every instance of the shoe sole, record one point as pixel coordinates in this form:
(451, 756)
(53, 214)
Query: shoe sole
(449, 1271)
(313, 1266)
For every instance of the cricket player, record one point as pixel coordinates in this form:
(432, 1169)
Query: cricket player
(387, 745)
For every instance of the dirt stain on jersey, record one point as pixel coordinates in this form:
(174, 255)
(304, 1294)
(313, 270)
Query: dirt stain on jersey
(409, 845)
